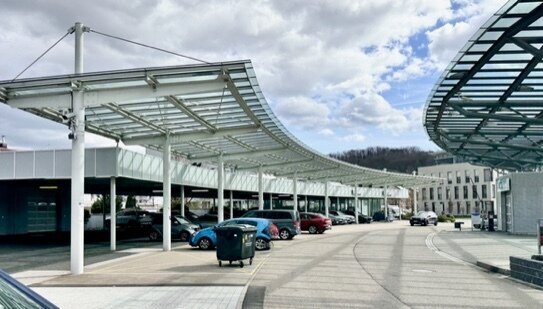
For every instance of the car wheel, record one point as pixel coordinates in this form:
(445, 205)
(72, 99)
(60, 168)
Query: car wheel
(261, 244)
(435, 223)
(284, 234)
(412, 224)
(154, 236)
(312, 229)
(425, 222)
(204, 244)
(184, 236)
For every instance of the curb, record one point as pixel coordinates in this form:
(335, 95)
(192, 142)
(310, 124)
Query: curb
(493, 268)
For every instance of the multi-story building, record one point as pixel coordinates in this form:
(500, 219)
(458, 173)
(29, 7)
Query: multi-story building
(467, 188)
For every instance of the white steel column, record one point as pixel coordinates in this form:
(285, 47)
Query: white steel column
(220, 189)
(182, 200)
(260, 189)
(271, 200)
(295, 191)
(305, 205)
(326, 199)
(113, 212)
(356, 211)
(231, 204)
(414, 200)
(414, 196)
(386, 203)
(337, 203)
(166, 196)
(77, 224)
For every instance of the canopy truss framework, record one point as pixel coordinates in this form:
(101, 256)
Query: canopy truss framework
(487, 105)
(205, 111)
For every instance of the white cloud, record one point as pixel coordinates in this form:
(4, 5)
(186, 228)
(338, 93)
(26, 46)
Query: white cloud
(303, 112)
(326, 132)
(322, 62)
(358, 138)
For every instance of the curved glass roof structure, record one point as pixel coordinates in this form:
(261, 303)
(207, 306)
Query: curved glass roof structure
(207, 112)
(488, 104)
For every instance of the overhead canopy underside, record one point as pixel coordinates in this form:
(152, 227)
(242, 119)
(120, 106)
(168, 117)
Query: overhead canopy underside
(205, 111)
(488, 104)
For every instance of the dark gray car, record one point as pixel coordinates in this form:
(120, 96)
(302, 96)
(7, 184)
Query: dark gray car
(287, 221)
(424, 218)
(181, 228)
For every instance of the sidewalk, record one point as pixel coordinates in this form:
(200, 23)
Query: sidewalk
(489, 250)
(148, 278)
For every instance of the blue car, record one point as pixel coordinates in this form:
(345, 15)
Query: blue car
(265, 231)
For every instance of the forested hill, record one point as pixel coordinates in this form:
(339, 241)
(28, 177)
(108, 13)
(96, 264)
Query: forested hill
(403, 160)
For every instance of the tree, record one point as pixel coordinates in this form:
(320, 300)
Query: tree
(130, 202)
(404, 160)
(102, 204)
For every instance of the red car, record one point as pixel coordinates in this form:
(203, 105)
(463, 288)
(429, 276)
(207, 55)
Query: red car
(314, 222)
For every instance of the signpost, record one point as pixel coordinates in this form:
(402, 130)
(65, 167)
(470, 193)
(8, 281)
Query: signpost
(539, 235)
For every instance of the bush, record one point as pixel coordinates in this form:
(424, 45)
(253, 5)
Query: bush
(446, 218)
(407, 216)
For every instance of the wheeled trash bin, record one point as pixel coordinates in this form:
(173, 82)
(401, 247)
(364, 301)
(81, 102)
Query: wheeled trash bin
(236, 243)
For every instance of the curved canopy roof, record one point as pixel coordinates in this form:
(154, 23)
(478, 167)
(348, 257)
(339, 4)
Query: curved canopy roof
(488, 104)
(206, 111)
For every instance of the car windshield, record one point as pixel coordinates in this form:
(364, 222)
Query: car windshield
(182, 220)
(10, 297)
(421, 213)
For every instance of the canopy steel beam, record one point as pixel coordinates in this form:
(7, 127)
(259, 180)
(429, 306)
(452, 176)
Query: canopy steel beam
(239, 155)
(307, 172)
(185, 109)
(136, 118)
(180, 138)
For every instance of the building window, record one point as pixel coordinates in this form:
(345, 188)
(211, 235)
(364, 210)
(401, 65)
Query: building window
(458, 178)
(433, 206)
(456, 193)
(426, 206)
(431, 193)
(487, 175)
(493, 190)
(449, 177)
(458, 211)
(439, 193)
(465, 189)
(423, 193)
(474, 191)
(475, 176)
(466, 176)
(448, 193)
(483, 191)
(468, 207)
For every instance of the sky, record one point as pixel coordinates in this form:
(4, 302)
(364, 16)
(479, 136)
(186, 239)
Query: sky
(339, 74)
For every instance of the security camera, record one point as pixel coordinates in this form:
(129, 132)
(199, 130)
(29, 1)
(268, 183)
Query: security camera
(66, 116)
(71, 135)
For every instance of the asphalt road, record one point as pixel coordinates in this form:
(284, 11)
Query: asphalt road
(379, 266)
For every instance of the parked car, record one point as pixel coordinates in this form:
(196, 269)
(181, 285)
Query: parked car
(266, 231)
(314, 222)
(181, 228)
(288, 221)
(348, 218)
(207, 220)
(424, 218)
(379, 216)
(337, 220)
(131, 218)
(14, 294)
(361, 217)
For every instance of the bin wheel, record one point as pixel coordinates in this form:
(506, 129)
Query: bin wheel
(251, 261)
(241, 264)
(220, 263)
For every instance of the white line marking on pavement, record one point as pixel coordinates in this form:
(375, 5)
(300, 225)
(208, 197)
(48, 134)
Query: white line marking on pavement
(431, 246)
